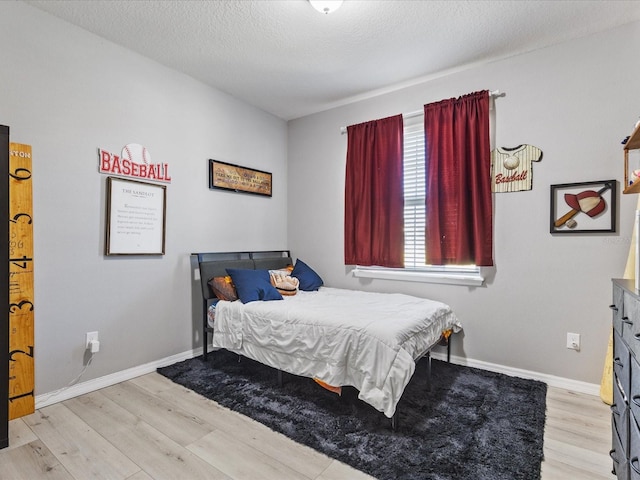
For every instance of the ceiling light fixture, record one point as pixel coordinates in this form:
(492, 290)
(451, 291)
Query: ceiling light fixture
(326, 6)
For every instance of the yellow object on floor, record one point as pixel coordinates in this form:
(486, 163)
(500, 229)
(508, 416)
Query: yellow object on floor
(606, 387)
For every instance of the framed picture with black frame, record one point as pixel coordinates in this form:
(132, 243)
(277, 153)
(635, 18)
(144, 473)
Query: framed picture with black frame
(587, 207)
(234, 178)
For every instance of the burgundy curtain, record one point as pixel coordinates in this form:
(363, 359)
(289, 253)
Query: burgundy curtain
(459, 227)
(374, 205)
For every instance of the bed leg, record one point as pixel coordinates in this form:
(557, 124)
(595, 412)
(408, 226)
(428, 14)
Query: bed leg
(204, 343)
(280, 382)
(429, 371)
(394, 421)
(204, 330)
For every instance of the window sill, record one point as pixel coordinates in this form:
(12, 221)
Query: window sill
(467, 277)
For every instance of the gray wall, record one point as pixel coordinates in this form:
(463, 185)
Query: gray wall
(68, 93)
(576, 102)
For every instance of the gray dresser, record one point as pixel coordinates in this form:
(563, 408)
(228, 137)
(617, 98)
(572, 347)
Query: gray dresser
(625, 411)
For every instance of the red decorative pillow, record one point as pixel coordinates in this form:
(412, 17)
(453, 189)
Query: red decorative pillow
(223, 288)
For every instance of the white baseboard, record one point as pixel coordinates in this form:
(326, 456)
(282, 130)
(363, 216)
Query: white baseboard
(550, 380)
(111, 379)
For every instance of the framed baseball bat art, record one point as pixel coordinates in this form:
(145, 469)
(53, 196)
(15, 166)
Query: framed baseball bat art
(588, 207)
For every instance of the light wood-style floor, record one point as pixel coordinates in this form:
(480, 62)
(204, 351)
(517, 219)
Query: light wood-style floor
(151, 428)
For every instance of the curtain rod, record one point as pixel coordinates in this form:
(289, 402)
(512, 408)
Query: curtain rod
(493, 93)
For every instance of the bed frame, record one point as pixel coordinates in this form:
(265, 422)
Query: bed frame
(214, 264)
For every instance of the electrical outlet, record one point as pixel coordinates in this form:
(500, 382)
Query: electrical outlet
(90, 337)
(573, 341)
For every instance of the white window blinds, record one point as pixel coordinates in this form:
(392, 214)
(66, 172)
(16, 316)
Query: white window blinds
(414, 196)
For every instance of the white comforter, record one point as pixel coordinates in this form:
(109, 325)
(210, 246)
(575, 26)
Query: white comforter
(342, 337)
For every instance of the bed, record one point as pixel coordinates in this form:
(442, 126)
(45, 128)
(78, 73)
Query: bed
(370, 341)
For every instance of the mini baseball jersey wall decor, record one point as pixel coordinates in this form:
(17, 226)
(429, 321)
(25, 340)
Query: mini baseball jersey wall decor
(511, 168)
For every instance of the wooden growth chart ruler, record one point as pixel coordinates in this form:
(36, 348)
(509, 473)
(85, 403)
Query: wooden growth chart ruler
(21, 302)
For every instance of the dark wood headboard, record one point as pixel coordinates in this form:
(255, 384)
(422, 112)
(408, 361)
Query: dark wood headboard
(214, 264)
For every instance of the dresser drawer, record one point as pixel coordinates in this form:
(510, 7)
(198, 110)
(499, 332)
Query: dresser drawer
(617, 308)
(617, 454)
(621, 362)
(632, 338)
(634, 465)
(634, 393)
(630, 320)
(634, 450)
(620, 417)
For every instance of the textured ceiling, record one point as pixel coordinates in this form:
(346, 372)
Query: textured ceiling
(286, 58)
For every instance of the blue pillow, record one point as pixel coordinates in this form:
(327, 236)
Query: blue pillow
(309, 280)
(253, 285)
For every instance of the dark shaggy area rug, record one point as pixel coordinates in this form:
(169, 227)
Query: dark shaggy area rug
(472, 425)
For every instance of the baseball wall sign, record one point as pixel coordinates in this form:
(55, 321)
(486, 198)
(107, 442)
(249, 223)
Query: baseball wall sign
(134, 161)
(136, 153)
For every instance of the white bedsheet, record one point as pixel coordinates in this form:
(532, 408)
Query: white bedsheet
(342, 337)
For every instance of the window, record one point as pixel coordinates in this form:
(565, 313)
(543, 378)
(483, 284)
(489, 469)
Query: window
(414, 222)
(414, 192)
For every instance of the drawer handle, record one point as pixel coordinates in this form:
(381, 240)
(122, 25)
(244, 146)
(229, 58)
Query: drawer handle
(614, 410)
(627, 321)
(611, 454)
(618, 362)
(636, 400)
(613, 307)
(637, 336)
(635, 465)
